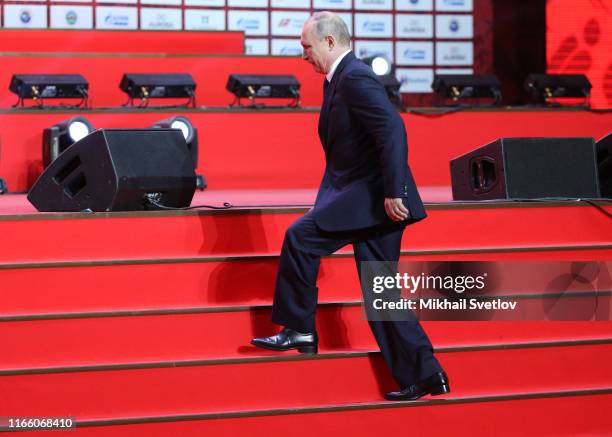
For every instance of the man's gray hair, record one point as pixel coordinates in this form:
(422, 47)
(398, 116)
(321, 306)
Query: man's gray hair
(328, 23)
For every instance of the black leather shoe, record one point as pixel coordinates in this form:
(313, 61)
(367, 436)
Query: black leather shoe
(306, 343)
(435, 385)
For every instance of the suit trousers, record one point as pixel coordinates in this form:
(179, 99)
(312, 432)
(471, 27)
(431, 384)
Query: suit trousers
(404, 344)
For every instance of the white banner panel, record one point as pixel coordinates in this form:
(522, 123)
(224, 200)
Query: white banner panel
(288, 23)
(204, 19)
(374, 25)
(454, 26)
(295, 4)
(414, 26)
(116, 17)
(347, 17)
(454, 5)
(363, 49)
(415, 80)
(332, 4)
(204, 2)
(161, 2)
(71, 17)
(454, 53)
(256, 46)
(248, 3)
(286, 47)
(72, 1)
(251, 22)
(25, 16)
(374, 5)
(414, 5)
(414, 53)
(454, 71)
(131, 2)
(161, 19)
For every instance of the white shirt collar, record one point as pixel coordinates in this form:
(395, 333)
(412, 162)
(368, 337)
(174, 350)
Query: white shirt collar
(329, 75)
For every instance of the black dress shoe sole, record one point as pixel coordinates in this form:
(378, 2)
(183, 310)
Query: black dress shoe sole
(305, 349)
(434, 391)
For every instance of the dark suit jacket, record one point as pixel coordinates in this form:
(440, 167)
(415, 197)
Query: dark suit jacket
(366, 153)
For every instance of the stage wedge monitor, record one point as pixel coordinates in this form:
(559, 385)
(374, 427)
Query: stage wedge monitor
(118, 170)
(527, 168)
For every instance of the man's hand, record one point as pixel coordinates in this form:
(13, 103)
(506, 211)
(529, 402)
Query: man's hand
(396, 210)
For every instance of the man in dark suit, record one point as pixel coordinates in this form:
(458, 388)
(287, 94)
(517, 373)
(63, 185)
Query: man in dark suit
(366, 198)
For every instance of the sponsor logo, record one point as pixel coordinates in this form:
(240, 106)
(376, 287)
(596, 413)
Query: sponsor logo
(414, 2)
(365, 52)
(204, 19)
(25, 17)
(453, 26)
(454, 2)
(415, 55)
(248, 24)
(71, 17)
(455, 54)
(373, 2)
(414, 27)
(291, 51)
(291, 23)
(117, 20)
(374, 26)
(161, 22)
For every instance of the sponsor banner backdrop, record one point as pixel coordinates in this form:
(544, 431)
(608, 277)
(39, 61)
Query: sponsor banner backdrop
(415, 80)
(295, 4)
(454, 26)
(255, 46)
(332, 4)
(72, 1)
(363, 49)
(374, 25)
(414, 26)
(251, 22)
(374, 5)
(248, 3)
(288, 23)
(348, 19)
(414, 5)
(161, 19)
(204, 19)
(116, 17)
(454, 71)
(204, 2)
(130, 2)
(286, 47)
(161, 2)
(454, 53)
(454, 5)
(25, 16)
(71, 17)
(414, 53)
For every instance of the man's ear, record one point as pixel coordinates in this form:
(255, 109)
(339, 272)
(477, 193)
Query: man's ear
(331, 42)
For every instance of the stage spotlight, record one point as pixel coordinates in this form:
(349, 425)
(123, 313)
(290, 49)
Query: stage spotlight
(379, 64)
(467, 86)
(546, 87)
(158, 86)
(190, 133)
(267, 86)
(60, 136)
(49, 86)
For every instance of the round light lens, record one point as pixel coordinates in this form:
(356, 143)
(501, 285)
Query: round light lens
(77, 130)
(183, 126)
(381, 66)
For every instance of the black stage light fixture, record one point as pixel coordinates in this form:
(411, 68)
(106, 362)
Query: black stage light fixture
(49, 86)
(146, 86)
(392, 87)
(379, 64)
(3, 187)
(190, 133)
(604, 165)
(253, 86)
(543, 88)
(62, 135)
(467, 86)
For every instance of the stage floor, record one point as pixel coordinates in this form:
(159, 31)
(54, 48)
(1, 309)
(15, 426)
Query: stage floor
(17, 204)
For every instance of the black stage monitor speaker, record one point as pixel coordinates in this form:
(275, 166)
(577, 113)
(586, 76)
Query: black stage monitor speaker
(118, 170)
(527, 168)
(604, 164)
